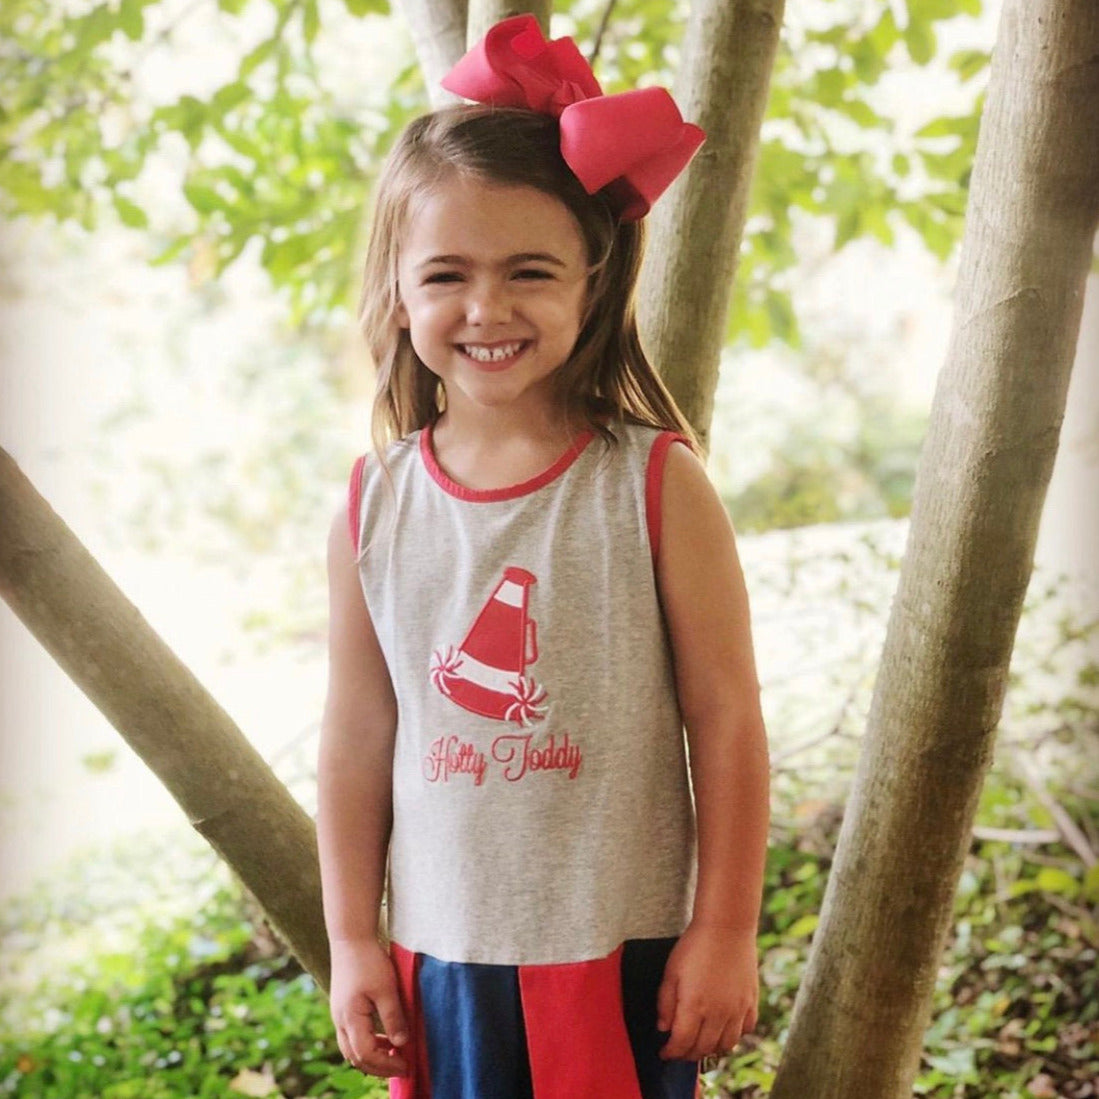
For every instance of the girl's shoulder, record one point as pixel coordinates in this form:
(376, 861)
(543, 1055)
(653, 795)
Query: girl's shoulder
(647, 447)
(644, 439)
(373, 476)
(395, 452)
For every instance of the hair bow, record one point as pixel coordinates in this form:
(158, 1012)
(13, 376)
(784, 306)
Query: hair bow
(635, 143)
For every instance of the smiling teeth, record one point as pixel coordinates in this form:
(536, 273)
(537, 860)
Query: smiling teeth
(491, 354)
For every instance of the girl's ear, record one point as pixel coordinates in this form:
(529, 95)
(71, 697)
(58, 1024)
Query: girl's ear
(401, 314)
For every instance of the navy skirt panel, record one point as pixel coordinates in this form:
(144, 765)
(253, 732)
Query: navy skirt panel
(539, 1032)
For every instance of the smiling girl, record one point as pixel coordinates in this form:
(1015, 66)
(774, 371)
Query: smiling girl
(542, 740)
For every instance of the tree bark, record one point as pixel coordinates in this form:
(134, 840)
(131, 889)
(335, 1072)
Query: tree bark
(695, 230)
(99, 638)
(484, 13)
(865, 1002)
(438, 29)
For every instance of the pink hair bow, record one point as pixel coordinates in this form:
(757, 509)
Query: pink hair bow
(634, 143)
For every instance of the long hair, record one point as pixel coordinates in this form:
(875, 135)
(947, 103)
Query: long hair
(607, 376)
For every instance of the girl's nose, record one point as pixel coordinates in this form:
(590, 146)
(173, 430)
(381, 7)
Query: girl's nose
(488, 303)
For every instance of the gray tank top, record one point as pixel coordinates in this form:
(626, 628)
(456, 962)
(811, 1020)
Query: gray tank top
(542, 810)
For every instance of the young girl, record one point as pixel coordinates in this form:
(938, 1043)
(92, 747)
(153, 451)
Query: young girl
(539, 592)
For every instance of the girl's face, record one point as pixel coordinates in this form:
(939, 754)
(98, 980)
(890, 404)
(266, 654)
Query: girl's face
(492, 283)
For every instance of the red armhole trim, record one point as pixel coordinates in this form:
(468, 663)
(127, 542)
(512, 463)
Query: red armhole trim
(354, 496)
(654, 483)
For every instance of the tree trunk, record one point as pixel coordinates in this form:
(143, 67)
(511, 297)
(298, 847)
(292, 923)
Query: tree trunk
(865, 1002)
(99, 638)
(438, 29)
(695, 230)
(484, 13)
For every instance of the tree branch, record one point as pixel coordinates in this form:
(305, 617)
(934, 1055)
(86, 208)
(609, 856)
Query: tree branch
(438, 29)
(603, 24)
(99, 638)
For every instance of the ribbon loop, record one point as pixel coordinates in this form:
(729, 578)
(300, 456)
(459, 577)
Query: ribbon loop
(633, 143)
(514, 66)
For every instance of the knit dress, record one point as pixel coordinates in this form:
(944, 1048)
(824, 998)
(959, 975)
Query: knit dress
(542, 855)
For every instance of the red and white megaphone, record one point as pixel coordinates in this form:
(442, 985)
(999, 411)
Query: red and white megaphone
(486, 674)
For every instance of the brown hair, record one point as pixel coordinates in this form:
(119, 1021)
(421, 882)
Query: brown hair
(607, 377)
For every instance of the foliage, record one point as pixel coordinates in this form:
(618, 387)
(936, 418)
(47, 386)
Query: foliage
(198, 1005)
(277, 154)
(1016, 1005)
(207, 1004)
(814, 478)
(272, 154)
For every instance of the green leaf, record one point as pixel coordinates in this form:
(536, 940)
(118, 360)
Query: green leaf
(876, 222)
(23, 183)
(1090, 888)
(868, 59)
(203, 198)
(130, 213)
(886, 34)
(968, 63)
(132, 19)
(1051, 879)
(366, 7)
(92, 29)
(861, 112)
(804, 926)
(944, 126)
(229, 96)
(959, 1064)
(257, 56)
(233, 7)
(847, 227)
(933, 10)
(187, 116)
(310, 19)
(784, 322)
(831, 84)
(920, 40)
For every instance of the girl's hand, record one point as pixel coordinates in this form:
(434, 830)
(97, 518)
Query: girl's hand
(364, 982)
(710, 993)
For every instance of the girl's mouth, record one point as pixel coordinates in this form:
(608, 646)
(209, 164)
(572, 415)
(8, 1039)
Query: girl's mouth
(496, 356)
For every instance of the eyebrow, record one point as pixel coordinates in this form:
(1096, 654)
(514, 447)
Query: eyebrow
(520, 257)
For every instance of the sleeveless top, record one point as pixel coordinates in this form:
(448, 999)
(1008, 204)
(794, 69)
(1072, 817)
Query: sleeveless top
(542, 810)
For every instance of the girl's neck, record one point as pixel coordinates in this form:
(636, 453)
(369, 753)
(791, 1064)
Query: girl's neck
(493, 451)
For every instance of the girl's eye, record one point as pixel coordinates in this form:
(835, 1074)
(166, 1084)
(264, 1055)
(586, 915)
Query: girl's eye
(443, 276)
(533, 273)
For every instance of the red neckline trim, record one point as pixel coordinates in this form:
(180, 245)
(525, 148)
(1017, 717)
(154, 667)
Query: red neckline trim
(508, 492)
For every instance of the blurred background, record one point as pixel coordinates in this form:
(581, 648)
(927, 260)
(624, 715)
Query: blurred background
(181, 378)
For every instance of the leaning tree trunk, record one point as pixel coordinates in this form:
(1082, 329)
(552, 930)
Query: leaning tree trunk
(695, 230)
(99, 638)
(865, 1002)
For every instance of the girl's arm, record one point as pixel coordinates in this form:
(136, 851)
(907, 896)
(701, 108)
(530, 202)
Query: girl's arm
(710, 991)
(354, 815)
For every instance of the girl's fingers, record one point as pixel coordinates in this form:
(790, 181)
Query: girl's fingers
(665, 1004)
(370, 1052)
(685, 1027)
(708, 1040)
(360, 1036)
(730, 1036)
(388, 1006)
(345, 1045)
